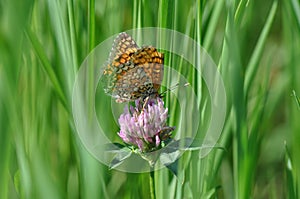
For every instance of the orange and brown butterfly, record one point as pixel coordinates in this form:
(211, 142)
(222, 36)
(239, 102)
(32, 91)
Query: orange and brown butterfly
(132, 72)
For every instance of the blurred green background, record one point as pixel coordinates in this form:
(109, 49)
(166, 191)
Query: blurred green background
(256, 45)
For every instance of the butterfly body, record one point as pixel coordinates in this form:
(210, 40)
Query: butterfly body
(132, 72)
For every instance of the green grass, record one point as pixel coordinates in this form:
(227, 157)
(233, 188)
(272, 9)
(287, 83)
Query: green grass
(256, 45)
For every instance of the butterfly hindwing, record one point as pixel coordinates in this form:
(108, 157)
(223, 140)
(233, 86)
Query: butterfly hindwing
(152, 61)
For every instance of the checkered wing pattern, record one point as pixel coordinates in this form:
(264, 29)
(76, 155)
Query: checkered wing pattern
(132, 72)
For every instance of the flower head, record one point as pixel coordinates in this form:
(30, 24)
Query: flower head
(144, 126)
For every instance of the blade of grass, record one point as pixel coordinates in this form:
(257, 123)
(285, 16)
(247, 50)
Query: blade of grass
(218, 8)
(5, 152)
(91, 24)
(91, 41)
(47, 67)
(45, 185)
(290, 175)
(291, 19)
(258, 50)
(296, 9)
(72, 35)
(297, 100)
(240, 11)
(61, 37)
(240, 143)
(197, 37)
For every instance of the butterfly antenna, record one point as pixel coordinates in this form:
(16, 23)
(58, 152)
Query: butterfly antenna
(173, 88)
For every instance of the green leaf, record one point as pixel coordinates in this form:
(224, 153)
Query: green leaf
(296, 9)
(210, 193)
(17, 182)
(258, 50)
(291, 181)
(189, 144)
(121, 155)
(173, 167)
(296, 98)
(113, 147)
(40, 52)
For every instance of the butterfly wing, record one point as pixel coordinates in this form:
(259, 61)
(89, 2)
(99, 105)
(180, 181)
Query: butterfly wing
(132, 84)
(142, 77)
(132, 72)
(152, 62)
(122, 48)
(122, 44)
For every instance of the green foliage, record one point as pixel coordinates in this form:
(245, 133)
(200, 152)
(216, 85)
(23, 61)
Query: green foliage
(256, 45)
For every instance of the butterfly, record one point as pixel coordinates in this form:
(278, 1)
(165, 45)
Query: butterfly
(131, 72)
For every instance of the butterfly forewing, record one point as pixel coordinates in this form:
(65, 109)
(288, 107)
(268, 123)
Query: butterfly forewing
(122, 44)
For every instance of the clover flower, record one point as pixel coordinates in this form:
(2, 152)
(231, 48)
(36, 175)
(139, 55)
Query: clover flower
(144, 126)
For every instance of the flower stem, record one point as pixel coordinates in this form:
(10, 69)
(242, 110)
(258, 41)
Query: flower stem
(152, 184)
